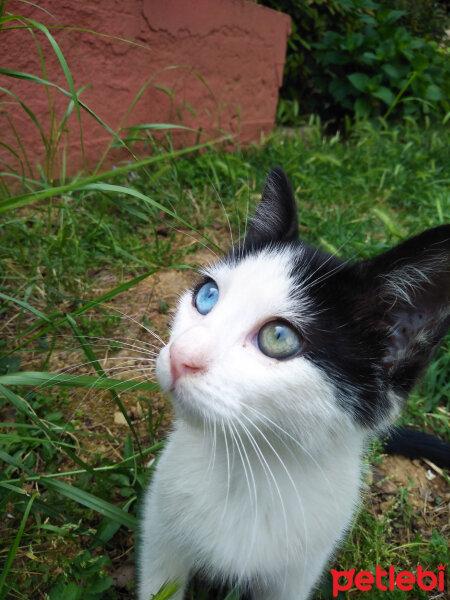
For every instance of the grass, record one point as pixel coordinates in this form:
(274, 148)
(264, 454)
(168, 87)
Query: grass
(86, 265)
(70, 488)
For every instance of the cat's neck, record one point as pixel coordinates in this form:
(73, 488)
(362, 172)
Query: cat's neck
(256, 444)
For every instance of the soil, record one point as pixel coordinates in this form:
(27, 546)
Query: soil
(428, 495)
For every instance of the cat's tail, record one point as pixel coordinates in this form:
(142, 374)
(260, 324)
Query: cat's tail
(417, 444)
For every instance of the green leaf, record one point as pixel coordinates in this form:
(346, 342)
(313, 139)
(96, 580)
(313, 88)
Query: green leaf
(100, 585)
(336, 57)
(360, 81)
(392, 71)
(339, 89)
(105, 531)
(385, 94)
(369, 58)
(434, 93)
(71, 591)
(393, 16)
(166, 592)
(362, 107)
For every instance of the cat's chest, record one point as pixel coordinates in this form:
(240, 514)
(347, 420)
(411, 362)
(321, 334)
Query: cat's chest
(230, 495)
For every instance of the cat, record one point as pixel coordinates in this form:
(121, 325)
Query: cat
(282, 363)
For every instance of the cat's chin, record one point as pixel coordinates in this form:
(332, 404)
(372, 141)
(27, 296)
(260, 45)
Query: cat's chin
(195, 396)
(195, 403)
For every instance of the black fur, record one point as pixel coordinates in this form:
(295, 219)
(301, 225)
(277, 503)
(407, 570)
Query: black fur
(417, 444)
(379, 321)
(275, 219)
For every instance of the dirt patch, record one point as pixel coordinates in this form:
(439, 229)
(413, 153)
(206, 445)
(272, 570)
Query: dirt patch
(427, 497)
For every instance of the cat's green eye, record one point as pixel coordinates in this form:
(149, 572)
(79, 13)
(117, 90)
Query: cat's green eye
(279, 340)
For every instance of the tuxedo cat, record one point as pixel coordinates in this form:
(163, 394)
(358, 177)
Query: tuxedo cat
(282, 363)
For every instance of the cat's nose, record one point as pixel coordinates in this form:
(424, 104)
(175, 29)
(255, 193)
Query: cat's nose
(190, 353)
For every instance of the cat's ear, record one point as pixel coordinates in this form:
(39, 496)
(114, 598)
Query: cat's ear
(275, 219)
(410, 286)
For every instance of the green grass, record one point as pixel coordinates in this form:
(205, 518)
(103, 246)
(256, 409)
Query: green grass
(71, 250)
(64, 492)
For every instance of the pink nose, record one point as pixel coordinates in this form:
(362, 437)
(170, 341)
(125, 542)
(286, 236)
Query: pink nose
(189, 353)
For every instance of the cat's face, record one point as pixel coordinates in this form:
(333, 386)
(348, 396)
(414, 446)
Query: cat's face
(246, 358)
(281, 335)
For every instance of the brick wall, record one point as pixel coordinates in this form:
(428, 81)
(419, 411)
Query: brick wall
(209, 64)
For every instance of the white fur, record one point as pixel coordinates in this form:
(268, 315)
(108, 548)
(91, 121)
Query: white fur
(260, 478)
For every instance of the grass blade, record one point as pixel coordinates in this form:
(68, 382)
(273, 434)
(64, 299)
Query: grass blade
(27, 306)
(24, 199)
(90, 501)
(43, 380)
(13, 550)
(22, 407)
(80, 496)
(93, 360)
(91, 304)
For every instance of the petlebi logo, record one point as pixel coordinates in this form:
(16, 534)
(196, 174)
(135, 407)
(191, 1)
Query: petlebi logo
(388, 580)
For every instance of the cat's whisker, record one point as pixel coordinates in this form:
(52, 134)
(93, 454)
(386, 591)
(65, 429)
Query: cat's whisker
(67, 370)
(269, 471)
(307, 284)
(109, 389)
(120, 341)
(237, 438)
(126, 368)
(139, 353)
(210, 444)
(224, 432)
(138, 349)
(213, 433)
(207, 438)
(241, 247)
(289, 476)
(256, 449)
(260, 456)
(204, 244)
(226, 216)
(255, 506)
(264, 418)
(112, 340)
(141, 325)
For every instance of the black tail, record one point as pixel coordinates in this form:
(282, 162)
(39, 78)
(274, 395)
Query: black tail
(417, 444)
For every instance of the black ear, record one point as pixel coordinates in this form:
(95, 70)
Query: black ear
(275, 219)
(410, 288)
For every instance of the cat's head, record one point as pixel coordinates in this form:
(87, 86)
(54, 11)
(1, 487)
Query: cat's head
(279, 334)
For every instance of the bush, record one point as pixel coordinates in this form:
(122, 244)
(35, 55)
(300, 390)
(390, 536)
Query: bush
(423, 18)
(354, 57)
(382, 69)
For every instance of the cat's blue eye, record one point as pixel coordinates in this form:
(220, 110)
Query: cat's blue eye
(206, 297)
(279, 340)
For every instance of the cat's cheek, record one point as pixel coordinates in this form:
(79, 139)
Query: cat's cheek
(163, 374)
